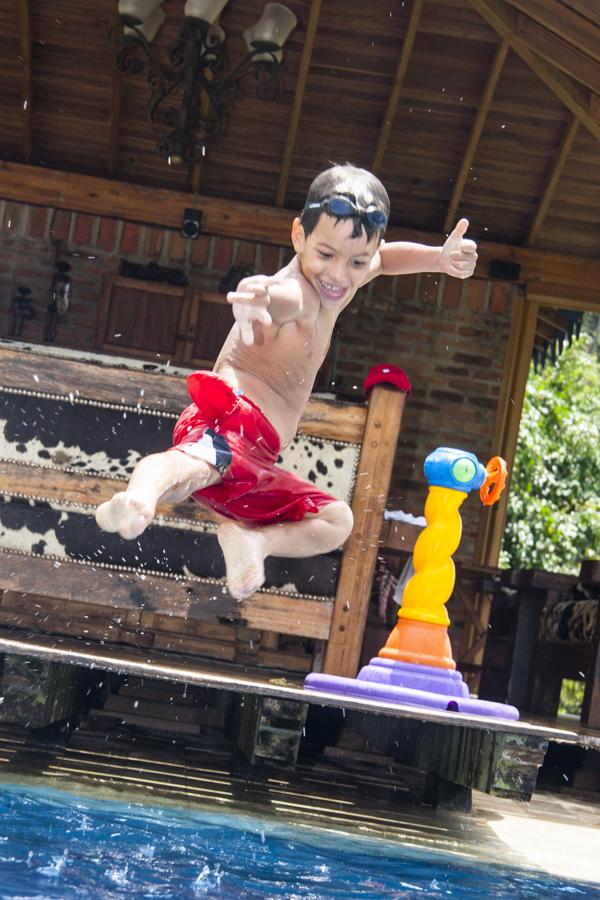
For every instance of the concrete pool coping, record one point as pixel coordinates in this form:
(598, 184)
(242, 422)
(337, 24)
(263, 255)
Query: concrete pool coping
(252, 681)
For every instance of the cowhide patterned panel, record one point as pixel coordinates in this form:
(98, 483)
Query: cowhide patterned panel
(66, 531)
(108, 440)
(569, 620)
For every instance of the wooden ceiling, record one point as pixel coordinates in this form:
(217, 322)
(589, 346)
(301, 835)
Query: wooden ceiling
(483, 108)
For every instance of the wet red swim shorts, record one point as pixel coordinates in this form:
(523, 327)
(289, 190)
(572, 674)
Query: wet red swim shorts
(230, 432)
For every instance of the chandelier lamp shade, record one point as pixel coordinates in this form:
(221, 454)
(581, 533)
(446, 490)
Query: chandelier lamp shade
(191, 93)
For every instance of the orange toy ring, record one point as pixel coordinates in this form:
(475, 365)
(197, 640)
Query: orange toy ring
(495, 479)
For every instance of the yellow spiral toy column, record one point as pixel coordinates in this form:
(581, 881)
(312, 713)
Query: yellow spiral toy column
(421, 634)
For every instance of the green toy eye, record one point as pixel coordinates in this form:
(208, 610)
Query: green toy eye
(463, 470)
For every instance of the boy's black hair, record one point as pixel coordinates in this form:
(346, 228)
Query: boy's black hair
(359, 185)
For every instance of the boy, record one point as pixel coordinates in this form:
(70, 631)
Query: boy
(226, 443)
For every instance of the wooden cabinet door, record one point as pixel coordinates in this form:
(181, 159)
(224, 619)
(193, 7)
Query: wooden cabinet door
(210, 321)
(143, 318)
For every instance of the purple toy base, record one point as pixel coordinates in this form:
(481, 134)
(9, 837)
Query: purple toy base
(407, 683)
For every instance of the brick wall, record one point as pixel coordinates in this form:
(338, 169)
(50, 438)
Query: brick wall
(450, 336)
(94, 246)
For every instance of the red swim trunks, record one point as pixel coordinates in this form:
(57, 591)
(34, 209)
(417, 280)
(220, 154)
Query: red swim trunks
(230, 432)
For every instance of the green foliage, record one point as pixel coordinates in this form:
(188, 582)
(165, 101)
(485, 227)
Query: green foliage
(554, 504)
(571, 697)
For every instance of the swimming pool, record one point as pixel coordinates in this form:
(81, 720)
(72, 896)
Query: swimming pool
(55, 844)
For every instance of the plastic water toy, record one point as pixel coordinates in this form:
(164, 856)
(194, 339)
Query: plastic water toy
(416, 666)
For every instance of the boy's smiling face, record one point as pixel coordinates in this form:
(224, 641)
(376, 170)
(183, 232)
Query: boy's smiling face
(332, 261)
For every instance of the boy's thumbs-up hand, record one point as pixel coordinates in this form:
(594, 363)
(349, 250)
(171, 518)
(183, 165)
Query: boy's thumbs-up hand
(459, 254)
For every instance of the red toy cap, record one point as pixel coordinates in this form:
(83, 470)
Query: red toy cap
(386, 373)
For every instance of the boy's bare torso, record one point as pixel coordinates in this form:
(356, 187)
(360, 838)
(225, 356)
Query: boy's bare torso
(278, 370)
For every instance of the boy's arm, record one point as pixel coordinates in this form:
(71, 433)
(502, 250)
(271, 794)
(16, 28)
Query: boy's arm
(265, 300)
(457, 257)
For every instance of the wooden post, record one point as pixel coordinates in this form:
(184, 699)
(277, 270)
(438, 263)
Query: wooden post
(386, 406)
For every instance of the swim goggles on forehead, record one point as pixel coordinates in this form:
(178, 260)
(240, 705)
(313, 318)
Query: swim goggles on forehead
(343, 206)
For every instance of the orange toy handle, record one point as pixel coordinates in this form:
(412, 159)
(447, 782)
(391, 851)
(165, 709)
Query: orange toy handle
(495, 479)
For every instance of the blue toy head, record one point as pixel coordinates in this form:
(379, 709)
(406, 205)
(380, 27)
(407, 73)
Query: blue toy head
(456, 469)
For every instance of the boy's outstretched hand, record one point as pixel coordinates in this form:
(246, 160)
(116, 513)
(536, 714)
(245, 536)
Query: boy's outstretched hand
(249, 302)
(459, 254)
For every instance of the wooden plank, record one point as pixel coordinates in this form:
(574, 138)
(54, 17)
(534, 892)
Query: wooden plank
(92, 631)
(287, 615)
(342, 655)
(26, 139)
(476, 129)
(84, 380)
(394, 97)
(331, 419)
(559, 164)
(51, 606)
(114, 125)
(113, 589)
(200, 600)
(502, 19)
(294, 122)
(50, 483)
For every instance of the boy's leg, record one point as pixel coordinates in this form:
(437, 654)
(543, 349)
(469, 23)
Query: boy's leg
(171, 475)
(245, 549)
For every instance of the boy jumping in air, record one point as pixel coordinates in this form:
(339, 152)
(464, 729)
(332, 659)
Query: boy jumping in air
(226, 443)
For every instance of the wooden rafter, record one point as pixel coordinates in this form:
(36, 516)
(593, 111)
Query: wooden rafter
(567, 23)
(551, 185)
(503, 19)
(476, 129)
(589, 9)
(27, 137)
(559, 52)
(394, 98)
(290, 143)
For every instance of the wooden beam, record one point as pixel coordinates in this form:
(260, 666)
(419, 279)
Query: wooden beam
(141, 203)
(503, 19)
(552, 183)
(558, 51)
(290, 143)
(342, 654)
(27, 138)
(563, 297)
(573, 26)
(476, 129)
(508, 417)
(394, 97)
(252, 222)
(589, 9)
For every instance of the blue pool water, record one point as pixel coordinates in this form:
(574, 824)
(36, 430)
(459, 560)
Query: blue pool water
(54, 844)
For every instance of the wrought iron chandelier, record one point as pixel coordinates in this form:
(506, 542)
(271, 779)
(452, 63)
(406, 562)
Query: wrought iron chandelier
(191, 95)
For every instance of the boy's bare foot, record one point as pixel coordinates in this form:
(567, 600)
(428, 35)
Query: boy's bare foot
(124, 513)
(244, 559)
